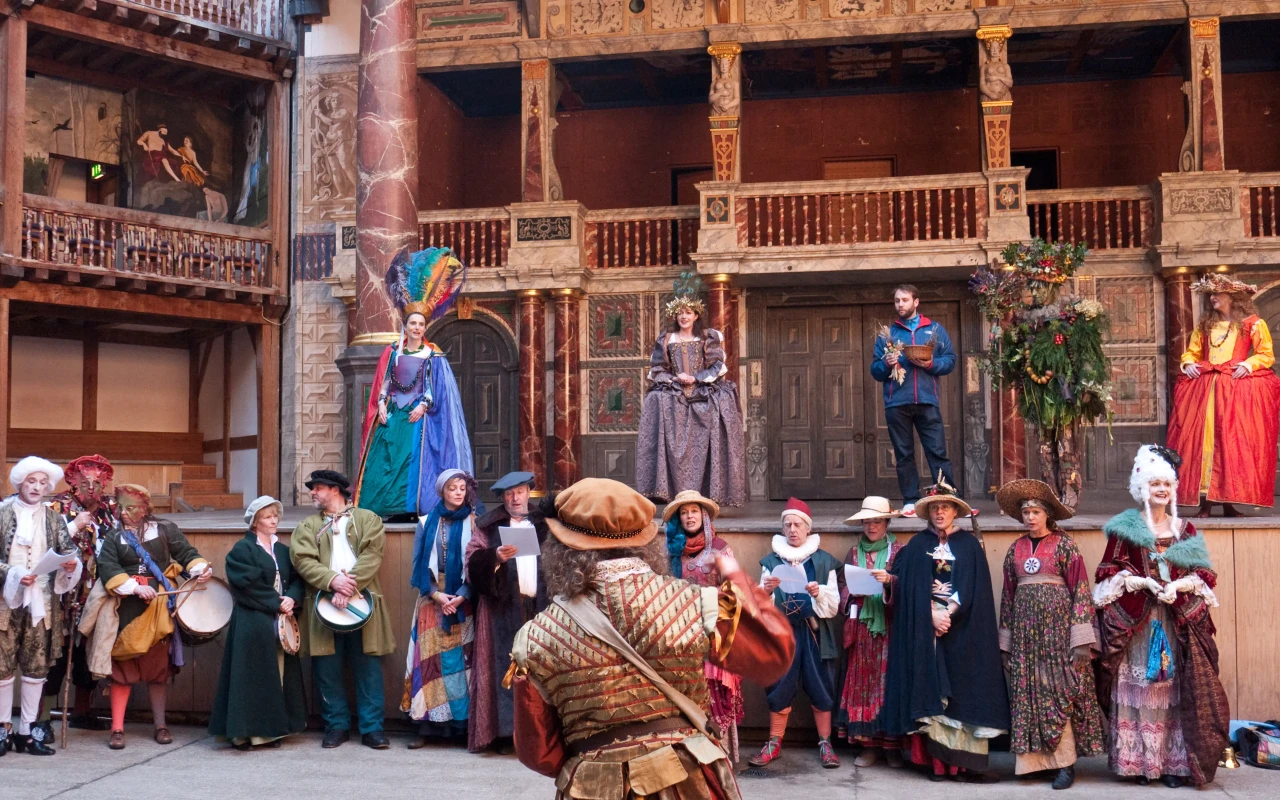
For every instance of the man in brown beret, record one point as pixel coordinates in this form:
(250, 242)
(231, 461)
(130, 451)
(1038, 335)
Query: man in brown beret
(592, 711)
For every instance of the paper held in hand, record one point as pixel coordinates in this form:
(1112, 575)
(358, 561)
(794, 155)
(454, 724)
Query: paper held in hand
(861, 582)
(525, 540)
(53, 560)
(793, 578)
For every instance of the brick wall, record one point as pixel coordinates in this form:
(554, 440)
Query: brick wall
(1109, 134)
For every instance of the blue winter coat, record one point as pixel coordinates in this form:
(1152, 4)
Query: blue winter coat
(920, 385)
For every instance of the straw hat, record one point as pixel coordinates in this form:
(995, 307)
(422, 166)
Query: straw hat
(1217, 282)
(942, 492)
(1013, 494)
(873, 507)
(600, 514)
(685, 498)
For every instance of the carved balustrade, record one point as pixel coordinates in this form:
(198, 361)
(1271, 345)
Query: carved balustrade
(265, 18)
(826, 213)
(1104, 219)
(89, 238)
(641, 237)
(1259, 201)
(479, 237)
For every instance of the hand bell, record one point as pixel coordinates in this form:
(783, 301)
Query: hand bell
(1229, 759)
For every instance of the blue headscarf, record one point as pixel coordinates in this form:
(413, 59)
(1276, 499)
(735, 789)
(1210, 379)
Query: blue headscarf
(676, 539)
(425, 540)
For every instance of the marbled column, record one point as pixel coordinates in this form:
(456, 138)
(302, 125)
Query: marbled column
(1206, 92)
(1179, 320)
(539, 179)
(725, 99)
(1013, 438)
(533, 385)
(995, 95)
(723, 310)
(567, 399)
(386, 159)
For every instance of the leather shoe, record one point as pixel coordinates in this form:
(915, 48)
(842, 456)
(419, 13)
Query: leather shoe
(163, 736)
(335, 738)
(117, 740)
(1172, 781)
(37, 742)
(375, 739)
(1065, 777)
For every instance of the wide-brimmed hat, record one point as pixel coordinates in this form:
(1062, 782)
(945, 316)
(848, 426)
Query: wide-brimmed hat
(1013, 494)
(942, 492)
(873, 507)
(685, 498)
(265, 501)
(1221, 283)
(601, 514)
(329, 477)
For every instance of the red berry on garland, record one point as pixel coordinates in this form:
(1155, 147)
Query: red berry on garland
(1058, 338)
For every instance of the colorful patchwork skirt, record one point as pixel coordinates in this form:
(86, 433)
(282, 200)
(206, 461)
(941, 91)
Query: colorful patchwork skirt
(438, 669)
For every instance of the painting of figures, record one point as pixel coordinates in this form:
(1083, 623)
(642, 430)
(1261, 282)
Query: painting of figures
(249, 159)
(67, 120)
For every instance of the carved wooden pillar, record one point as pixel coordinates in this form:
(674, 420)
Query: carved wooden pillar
(13, 115)
(533, 385)
(1179, 320)
(386, 159)
(723, 310)
(995, 94)
(539, 181)
(1202, 150)
(726, 104)
(568, 397)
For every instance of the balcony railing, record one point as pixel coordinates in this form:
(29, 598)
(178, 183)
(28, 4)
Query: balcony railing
(825, 213)
(1104, 219)
(641, 237)
(1261, 196)
(480, 237)
(258, 17)
(90, 238)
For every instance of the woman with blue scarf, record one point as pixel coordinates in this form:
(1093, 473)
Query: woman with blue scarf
(438, 672)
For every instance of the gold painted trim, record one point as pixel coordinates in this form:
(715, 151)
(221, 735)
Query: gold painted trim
(566, 292)
(531, 293)
(994, 32)
(380, 337)
(997, 104)
(720, 277)
(1204, 28)
(720, 49)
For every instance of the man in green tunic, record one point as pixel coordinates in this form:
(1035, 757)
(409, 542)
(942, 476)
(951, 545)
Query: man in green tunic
(339, 550)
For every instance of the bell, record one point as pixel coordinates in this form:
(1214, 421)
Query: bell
(636, 6)
(1229, 759)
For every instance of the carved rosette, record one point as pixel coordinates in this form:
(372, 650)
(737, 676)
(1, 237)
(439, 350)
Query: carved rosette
(995, 81)
(725, 100)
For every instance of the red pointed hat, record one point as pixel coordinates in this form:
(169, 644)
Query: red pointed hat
(799, 508)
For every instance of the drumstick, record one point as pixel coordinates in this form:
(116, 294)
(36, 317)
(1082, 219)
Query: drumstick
(196, 588)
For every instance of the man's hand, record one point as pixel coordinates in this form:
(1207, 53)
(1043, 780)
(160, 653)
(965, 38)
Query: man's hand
(340, 601)
(941, 621)
(206, 576)
(286, 605)
(922, 363)
(27, 580)
(506, 553)
(419, 411)
(69, 567)
(881, 575)
(771, 583)
(812, 588)
(83, 520)
(1191, 370)
(891, 358)
(343, 585)
(146, 593)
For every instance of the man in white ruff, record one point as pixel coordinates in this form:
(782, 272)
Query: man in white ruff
(31, 615)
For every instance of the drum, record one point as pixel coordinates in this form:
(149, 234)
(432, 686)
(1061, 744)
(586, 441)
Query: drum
(289, 633)
(203, 612)
(344, 620)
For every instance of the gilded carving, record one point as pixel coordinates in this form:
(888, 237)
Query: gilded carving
(855, 8)
(1213, 200)
(544, 229)
(995, 79)
(331, 137)
(725, 96)
(1204, 28)
(773, 10)
(674, 14)
(595, 16)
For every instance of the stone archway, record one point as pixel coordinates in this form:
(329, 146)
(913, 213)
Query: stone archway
(485, 363)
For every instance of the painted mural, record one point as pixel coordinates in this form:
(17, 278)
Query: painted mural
(67, 120)
(249, 159)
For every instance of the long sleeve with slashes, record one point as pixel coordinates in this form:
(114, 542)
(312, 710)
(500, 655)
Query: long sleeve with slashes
(756, 641)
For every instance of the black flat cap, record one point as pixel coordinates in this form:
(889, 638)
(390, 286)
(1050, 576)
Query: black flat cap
(329, 477)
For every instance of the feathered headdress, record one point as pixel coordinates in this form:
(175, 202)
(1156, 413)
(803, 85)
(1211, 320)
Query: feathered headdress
(427, 282)
(688, 295)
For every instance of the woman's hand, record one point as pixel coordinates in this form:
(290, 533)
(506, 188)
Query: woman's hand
(1240, 371)
(419, 411)
(686, 379)
(881, 575)
(727, 566)
(448, 602)
(941, 621)
(1191, 370)
(286, 605)
(891, 358)
(382, 411)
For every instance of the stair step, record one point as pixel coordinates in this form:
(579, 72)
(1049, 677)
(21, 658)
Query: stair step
(199, 471)
(215, 501)
(192, 486)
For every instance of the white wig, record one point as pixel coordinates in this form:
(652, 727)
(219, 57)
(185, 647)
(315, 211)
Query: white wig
(1149, 465)
(31, 465)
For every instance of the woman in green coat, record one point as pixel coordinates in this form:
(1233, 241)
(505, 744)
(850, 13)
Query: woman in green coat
(259, 698)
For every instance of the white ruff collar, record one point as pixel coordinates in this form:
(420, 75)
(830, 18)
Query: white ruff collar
(618, 568)
(796, 555)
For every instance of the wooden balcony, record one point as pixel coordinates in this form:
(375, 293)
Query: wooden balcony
(1104, 219)
(1259, 198)
(479, 237)
(641, 237)
(107, 247)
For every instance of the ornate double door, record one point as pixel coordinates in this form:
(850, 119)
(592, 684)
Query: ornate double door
(827, 434)
(484, 365)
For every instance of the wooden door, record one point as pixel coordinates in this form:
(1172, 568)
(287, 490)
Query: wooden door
(882, 475)
(816, 364)
(484, 367)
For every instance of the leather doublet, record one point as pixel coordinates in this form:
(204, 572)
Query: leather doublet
(594, 688)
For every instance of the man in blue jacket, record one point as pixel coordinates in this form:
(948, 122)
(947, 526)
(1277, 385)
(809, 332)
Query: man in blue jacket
(914, 401)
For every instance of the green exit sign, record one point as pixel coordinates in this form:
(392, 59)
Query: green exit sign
(95, 171)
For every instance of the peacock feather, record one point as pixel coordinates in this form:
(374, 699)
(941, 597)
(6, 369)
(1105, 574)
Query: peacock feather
(427, 282)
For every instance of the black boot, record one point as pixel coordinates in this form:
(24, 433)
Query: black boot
(38, 741)
(1172, 781)
(5, 742)
(1065, 777)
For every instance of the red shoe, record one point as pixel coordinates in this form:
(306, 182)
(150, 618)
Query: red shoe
(828, 754)
(771, 750)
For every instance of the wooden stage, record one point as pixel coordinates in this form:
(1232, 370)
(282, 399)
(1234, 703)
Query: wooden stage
(1245, 553)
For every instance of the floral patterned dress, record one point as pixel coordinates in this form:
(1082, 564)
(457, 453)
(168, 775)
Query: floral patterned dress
(868, 657)
(1045, 611)
(698, 566)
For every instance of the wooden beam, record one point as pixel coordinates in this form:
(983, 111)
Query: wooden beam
(279, 140)
(52, 328)
(895, 64)
(148, 43)
(89, 411)
(1164, 64)
(115, 445)
(226, 406)
(174, 307)
(1079, 52)
(195, 372)
(237, 443)
(268, 409)
(105, 58)
(4, 379)
(85, 8)
(124, 64)
(13, 112)
(821, 73)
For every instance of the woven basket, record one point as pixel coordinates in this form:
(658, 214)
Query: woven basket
(919, 352)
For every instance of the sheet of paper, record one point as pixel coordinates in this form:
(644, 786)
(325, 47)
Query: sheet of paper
(861, 582)
(525, 540)
(793, 578)
(52, 561)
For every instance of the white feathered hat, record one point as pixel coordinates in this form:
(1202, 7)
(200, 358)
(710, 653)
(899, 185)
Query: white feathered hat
(32, 464)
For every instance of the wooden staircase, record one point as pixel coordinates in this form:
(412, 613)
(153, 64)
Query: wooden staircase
(202, 490)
